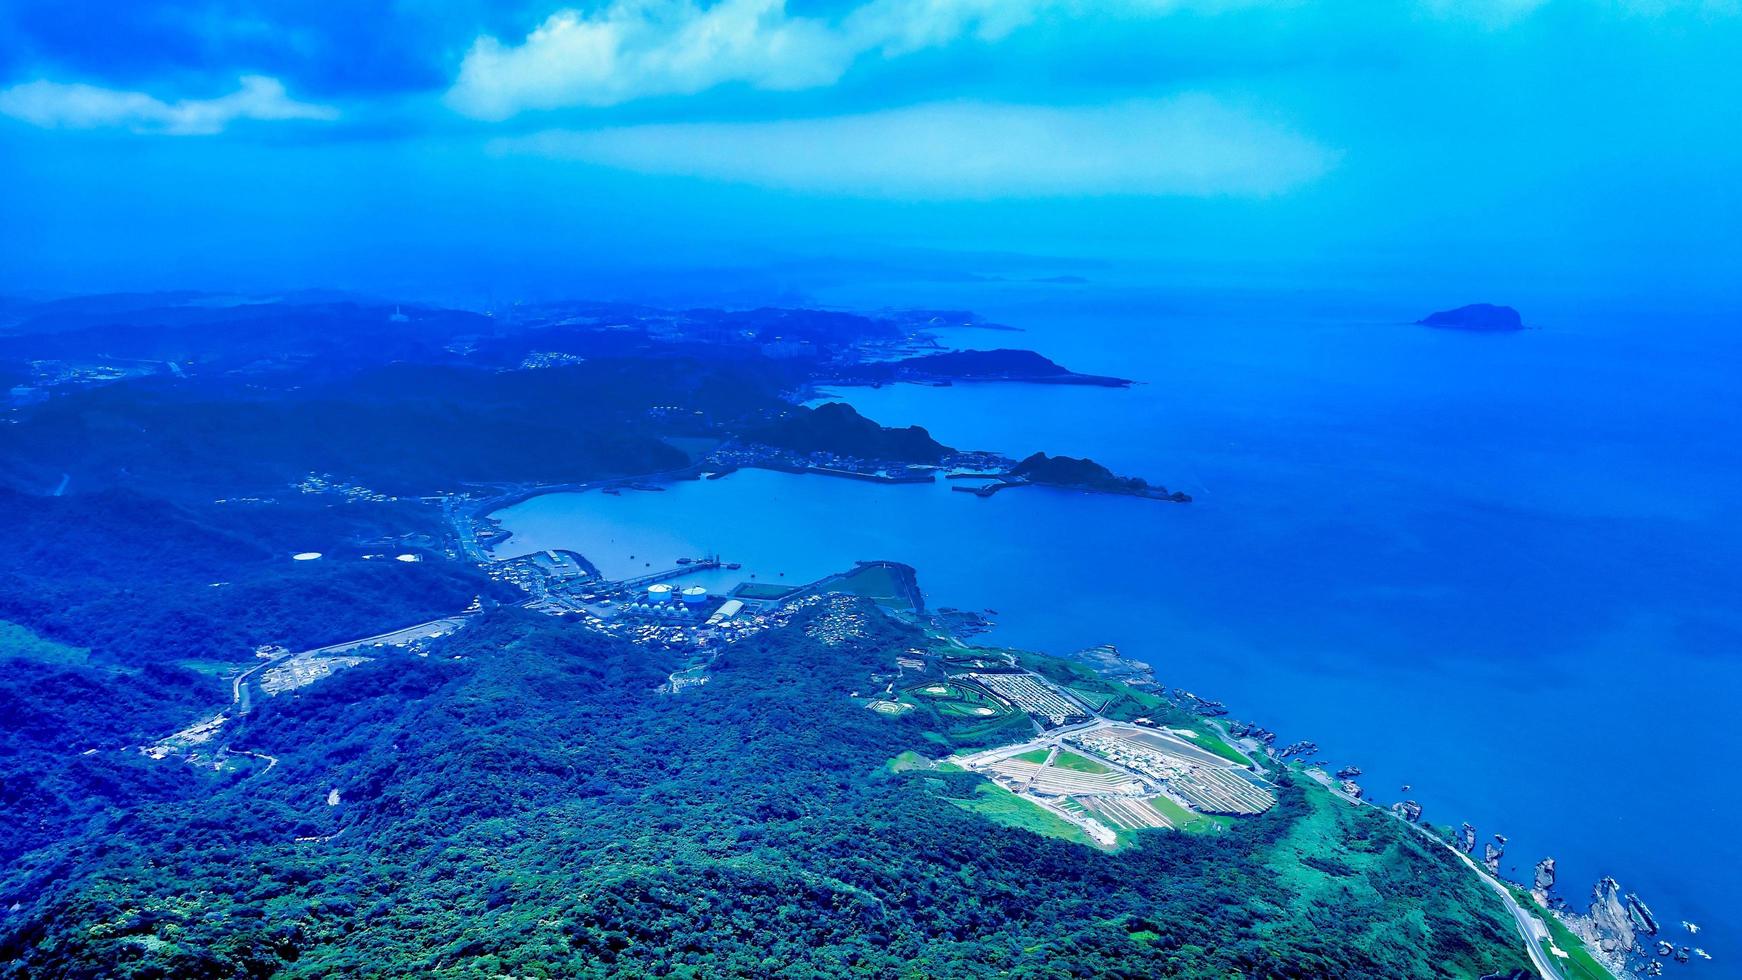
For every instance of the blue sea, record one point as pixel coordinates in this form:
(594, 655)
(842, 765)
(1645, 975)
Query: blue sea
(1499, 569)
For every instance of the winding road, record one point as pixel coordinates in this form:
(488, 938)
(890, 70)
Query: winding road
(1529, 925)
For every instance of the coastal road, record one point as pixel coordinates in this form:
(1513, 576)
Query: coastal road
(1532, 928)
(1529, 925)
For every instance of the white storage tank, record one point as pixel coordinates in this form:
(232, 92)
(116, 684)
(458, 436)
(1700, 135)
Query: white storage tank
(658, 592)
(695, 595)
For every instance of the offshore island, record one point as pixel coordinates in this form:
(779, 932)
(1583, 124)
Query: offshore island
(333, 729)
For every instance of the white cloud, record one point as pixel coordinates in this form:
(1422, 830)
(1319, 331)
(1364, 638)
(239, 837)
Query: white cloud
(1505, 13)
(75, 106)
(633, 49)
(1192, 145)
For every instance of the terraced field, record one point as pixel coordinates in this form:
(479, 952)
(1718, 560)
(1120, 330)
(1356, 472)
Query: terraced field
(1207, 781)
(1028, 695)
(1222, 791)
(1125, 813)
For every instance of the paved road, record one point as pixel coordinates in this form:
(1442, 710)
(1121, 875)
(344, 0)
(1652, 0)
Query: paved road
(239, 690)
(239, 685)
(1529, 925)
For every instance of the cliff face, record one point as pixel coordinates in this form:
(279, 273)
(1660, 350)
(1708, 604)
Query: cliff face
(1476, 316)
(837, 428)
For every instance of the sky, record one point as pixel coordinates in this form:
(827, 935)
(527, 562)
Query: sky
(1477, 150)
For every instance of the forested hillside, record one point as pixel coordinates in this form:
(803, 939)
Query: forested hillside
(524, 804)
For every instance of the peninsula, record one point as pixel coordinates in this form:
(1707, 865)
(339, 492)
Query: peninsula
(1002, 364)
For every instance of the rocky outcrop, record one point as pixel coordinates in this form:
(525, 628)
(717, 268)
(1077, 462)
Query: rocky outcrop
(1615, 923)
(1407, 809)
(1302, 747)
(1611, 928)
(1543, 881)
(1107, 661)
(1349, 772)
(1467, 838)
(1491, 856)
(1640, 914)
(1351, 789)
(1203, 706)
(1485, 317)
(1243, 729)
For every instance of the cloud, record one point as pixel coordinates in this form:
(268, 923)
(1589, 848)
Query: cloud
(1187, 146)
(633, 49)
(1505, 13)
(76, 106)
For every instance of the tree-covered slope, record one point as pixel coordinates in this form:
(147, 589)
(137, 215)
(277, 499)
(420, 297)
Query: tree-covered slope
(836, 428)
(142, 579)
(533, 808)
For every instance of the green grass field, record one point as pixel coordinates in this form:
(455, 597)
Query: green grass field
(1002, 806)
(17, 641)
(1212, 741)
(954, 700)
(1078, 763)
(880, 583)
(1190, 821)
(1097, 700)
(907, 761)
(1037, 756)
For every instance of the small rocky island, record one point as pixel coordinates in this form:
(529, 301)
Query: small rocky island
(1479, 317)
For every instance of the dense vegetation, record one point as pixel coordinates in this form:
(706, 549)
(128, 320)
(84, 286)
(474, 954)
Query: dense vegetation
(405, 429)
(533, 809)
(836, 428)
(522, 803)
(53, 713)
(143, 580)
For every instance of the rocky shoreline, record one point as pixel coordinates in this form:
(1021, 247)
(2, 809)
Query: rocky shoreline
(1618, 928)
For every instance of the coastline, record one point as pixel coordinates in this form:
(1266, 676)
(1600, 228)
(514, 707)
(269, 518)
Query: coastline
(1258, 743)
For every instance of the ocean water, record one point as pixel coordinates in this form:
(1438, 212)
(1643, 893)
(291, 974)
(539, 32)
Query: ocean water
(1500, 569)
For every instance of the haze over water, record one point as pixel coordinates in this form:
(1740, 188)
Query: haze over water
(1499, 568)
